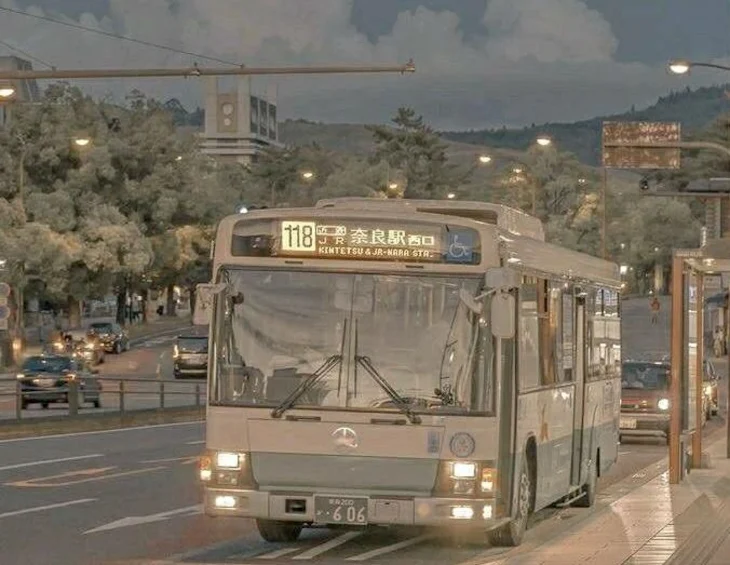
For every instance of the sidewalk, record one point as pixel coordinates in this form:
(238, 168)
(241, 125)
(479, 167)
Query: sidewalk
(655, 524)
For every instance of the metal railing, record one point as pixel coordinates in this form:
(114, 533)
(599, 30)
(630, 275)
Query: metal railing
(115, 394)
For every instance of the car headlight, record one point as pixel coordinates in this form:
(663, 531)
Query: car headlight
(462, 470)
(224, 460)
(663, 404)
(20, 376)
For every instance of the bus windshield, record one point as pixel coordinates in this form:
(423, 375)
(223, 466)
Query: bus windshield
(274, 329)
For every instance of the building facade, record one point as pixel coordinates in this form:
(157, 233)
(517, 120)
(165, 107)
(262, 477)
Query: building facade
(238, 125)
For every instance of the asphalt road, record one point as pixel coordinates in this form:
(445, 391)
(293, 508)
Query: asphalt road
(148, 362)
(130, 496)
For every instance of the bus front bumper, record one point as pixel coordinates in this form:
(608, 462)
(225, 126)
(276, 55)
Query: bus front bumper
(381, 510)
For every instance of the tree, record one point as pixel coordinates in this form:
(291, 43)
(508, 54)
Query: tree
(79, 242)
(414, 151)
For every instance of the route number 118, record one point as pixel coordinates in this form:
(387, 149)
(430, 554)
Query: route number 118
(298, 236)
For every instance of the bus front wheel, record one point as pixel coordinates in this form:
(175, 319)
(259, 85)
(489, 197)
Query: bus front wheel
(511, 534)
(278, 532)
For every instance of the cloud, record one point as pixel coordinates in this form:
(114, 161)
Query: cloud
(539, 60)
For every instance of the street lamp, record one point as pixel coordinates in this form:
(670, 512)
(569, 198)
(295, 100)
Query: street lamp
(543, 141)
(82, 140)
(307, 175)
(683, 67)
(7, 91)
(517, 170)
(393, 186)
(451, 196)
(485, 159)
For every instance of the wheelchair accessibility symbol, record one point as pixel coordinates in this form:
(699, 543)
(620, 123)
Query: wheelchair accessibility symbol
(460, 247)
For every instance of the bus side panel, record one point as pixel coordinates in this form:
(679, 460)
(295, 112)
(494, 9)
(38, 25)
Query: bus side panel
(600, 431)
(547, 415)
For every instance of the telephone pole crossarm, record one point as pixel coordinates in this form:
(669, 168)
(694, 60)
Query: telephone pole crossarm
(195, 71)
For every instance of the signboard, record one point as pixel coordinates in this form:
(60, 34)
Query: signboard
(360, 240)
(626, 133)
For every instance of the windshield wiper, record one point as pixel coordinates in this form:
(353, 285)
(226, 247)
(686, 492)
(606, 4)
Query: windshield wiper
(367, 364)
(322, 371)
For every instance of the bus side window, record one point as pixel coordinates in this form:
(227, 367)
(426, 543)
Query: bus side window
(568, 341)
(548, 322)
(528, 337)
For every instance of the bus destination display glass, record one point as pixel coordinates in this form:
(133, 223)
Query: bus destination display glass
(358, 240)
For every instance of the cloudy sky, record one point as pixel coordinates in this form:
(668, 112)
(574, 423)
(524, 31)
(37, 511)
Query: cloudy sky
(480, 62)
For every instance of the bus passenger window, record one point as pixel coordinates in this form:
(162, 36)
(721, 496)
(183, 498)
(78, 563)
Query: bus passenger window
(528, 354)
(548, 320)
(568, 341)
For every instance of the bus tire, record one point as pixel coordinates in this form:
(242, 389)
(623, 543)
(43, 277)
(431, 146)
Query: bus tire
(511, 534)
(589, 495)
(278, 532)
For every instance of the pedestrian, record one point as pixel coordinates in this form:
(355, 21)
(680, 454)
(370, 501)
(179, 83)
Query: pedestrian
(655, 307)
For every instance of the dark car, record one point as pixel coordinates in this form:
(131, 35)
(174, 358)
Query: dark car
(45, 379)
(111, 335)
(190, 356)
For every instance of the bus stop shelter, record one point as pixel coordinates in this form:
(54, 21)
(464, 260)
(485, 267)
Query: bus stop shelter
(690, 267)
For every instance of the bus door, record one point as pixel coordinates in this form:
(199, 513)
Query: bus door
(579, 379)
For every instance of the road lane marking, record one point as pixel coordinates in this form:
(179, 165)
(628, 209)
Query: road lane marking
(97, 432)
(275, 554)
(47, 507)
(183, 460)
(49, 461)
(137, 520)
(389, 548)
(331, 544)
(89, 475)
(196, 442)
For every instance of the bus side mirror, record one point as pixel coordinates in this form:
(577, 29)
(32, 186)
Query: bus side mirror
(204, 295)
(502, 318)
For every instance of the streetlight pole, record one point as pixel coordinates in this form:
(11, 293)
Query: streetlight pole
(196, 71)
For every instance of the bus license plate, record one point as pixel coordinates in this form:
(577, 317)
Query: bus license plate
(628, 423)
(340, 510)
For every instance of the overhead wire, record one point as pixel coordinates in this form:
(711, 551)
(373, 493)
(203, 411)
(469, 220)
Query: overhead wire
(119, 36)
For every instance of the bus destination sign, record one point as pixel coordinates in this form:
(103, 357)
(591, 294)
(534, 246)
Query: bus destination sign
(404, 241)
(361, 241)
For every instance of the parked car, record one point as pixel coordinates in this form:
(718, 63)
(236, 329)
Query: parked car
(190, 356)
(111, 335)
(44, 379)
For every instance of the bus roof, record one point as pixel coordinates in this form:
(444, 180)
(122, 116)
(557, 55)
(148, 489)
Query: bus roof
(510, 219)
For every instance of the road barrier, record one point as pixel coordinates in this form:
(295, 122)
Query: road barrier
(116, 394)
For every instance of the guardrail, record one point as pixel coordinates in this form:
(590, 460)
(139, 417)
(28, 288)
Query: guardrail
(116, 394)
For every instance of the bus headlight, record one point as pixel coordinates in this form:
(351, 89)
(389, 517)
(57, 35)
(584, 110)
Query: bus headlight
(225, 460)
(663, 404)
(461, 470)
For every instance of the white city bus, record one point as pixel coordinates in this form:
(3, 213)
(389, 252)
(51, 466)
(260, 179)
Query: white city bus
(393, 362)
